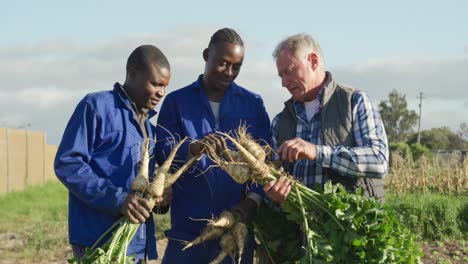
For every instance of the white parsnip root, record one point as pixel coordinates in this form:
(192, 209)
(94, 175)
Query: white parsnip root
(115, 249)
(208, 233)
(226, 220)
(141, 181)
(156, 187)
(228, 246)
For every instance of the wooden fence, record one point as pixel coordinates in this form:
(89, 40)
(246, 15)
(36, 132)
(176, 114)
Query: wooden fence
(25, 159)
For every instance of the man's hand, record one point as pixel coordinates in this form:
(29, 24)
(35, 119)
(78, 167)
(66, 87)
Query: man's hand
(136, 209)
(214, 141)
(297, 148)
(166, 198)
(278, 190)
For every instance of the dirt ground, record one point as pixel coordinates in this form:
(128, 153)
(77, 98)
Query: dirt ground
(455, 252)
(447, 252)
(452, 252)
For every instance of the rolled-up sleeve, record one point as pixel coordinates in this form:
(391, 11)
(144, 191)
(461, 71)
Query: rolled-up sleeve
(370, 157)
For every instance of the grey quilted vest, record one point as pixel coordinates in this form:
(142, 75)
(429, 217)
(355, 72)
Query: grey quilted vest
(336, 126)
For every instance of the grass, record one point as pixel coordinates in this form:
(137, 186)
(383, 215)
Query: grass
(432, 216)
(34, 223)
(431, 197)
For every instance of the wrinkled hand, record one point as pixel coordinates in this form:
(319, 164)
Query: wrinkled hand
(214, 141)
(278, 190)
(165, 199)
(136, 209)
(297, 148)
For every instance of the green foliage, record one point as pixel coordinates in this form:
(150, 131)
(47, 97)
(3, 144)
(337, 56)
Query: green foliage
(418, 150)
(366, 231)
(280, 238)
(412, 152)
(440, 138)
(432, 216)
(463, 218)
(401, 148)
(398, 120)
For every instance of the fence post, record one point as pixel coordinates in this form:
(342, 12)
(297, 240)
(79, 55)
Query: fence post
(3, 161)
(7, 161)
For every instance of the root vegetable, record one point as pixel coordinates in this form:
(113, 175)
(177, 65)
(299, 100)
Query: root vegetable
(156, 187)
(228, 246)
(239, 171)
(250, 144)
(226, 220)
(140, 182)
(170, 179)
(232, 155)
(209, 232)
(260, 170)
(240, 232)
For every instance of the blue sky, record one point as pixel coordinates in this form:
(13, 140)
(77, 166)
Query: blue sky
(54, 52)
(369, 28)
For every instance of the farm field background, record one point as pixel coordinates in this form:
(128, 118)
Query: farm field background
(33, 228)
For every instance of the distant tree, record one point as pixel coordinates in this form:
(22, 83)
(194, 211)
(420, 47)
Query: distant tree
(418, 150)
(402, 148)
(463, 131)
(440, 138)
(398, 120)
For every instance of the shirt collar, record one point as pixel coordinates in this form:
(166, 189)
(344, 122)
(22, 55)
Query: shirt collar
(118, 89)
(300, 105)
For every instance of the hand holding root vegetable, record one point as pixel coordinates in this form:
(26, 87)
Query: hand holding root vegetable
(165, 199)
(340, 227)
(214, 141)
(278, 190)
(231, 232)
(136, 209)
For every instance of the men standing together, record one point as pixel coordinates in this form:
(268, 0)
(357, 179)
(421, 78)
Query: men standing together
(326, 131)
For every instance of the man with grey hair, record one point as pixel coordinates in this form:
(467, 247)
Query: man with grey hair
(326, 131)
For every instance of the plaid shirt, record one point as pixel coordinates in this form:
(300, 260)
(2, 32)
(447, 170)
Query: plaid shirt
(369, 158)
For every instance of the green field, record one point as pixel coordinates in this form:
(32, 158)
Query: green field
(33, 228)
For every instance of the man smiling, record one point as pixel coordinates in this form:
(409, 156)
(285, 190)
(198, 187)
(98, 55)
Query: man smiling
(214, 102)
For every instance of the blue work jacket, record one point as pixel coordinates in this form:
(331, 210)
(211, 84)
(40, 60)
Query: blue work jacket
(97, 160)
(205, 191)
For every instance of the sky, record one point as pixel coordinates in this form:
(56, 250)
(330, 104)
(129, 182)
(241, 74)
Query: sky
(52, 53)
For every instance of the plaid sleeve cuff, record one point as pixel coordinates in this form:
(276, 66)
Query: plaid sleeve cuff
(324, 155)
(255, 197)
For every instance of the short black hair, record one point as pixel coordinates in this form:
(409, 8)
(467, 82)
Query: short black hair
(144, 56)
(225, 35)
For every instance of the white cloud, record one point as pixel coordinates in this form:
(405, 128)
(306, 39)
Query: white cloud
(443, 82)
(42, 82)
(441, 78)
(44, 97)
